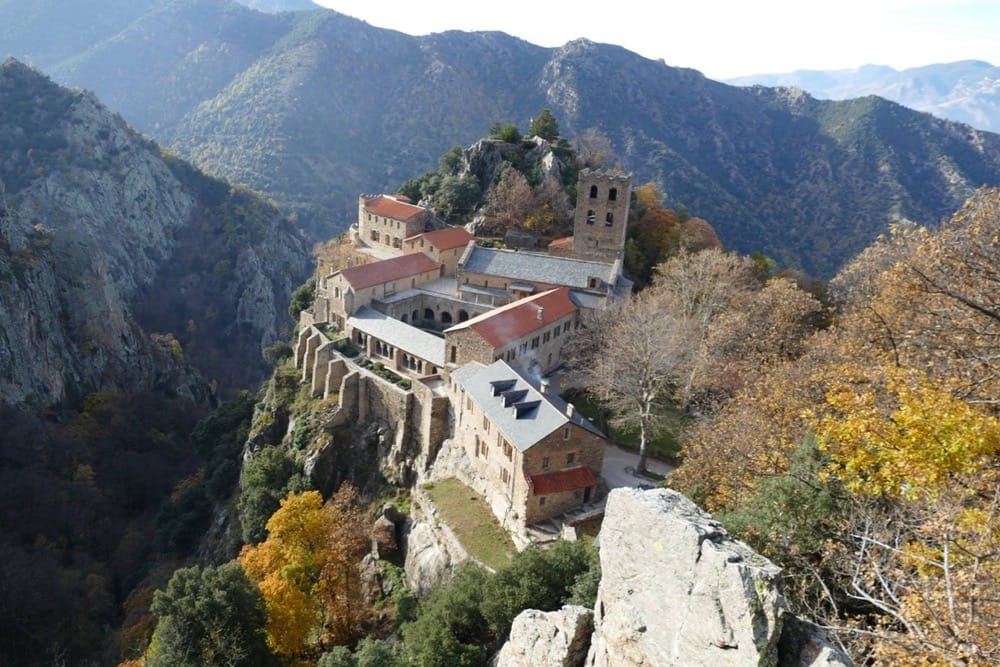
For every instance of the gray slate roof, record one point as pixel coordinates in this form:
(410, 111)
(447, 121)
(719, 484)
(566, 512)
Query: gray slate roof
(410, 339)
(537, 267)
(540, 414)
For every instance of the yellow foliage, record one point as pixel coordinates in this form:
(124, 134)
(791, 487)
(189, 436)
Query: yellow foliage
(912, 448)
(307, 571)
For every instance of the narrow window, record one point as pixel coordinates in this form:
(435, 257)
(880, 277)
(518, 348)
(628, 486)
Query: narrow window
(566, 433)
(609, 219)
(593, 192)
(541, 501)
(545, 463)
(613, 194)
(591, 216)
(570, 457)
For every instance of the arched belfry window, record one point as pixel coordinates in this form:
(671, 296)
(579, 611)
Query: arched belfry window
(613, 194)
(593, 192)
(591, 216)
(609, 218)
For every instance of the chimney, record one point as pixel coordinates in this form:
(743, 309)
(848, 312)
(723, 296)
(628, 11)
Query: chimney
(541, 314)
(570, 410)
(543, 386)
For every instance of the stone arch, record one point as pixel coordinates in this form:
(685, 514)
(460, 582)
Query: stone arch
(429, 314)
(405, 318)
(445, 317)
(462, 315)
(415, 315)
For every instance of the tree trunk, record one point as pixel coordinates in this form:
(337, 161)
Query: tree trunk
(643, 455)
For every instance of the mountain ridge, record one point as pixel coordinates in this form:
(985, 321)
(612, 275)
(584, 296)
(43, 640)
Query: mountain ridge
(313, 107)
(966, 91)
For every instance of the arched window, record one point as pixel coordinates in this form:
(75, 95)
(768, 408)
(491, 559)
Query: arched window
(415, 315)
(593, 192)
(446, 317)
(428, 314)
(462, 316)
(405, 318)
(613, 194)
(591, 216)
(609, 219)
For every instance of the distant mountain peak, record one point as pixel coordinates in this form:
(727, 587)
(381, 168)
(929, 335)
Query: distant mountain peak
(967, 91)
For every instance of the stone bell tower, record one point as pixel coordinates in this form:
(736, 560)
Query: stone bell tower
(602, 203)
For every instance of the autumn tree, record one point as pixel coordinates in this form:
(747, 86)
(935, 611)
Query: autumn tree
(307, 571)
(900, 394)
(511, 199)
(696, 288)
(635, 358)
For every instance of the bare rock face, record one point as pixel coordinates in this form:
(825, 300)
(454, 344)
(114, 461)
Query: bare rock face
(548, 639)
(677, 590)
(427, 559)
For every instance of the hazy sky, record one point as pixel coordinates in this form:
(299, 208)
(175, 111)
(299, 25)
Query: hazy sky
(724, 38)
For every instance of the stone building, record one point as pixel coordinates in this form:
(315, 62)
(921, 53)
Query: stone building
(344, 292)
(528, 333)
(384, 221)
(533, 457)
(444, 246)
(601, 215)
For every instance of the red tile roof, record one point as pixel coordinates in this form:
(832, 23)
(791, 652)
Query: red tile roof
(378, 273)
(563, 480)
(516, 320)
(446, 239)
(391, 208)
(566, 240)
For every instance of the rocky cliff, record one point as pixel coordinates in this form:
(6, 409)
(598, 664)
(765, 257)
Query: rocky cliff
(120, 265)
(676, 590)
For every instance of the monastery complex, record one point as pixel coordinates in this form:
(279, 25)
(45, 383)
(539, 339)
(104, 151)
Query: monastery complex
(454, 341)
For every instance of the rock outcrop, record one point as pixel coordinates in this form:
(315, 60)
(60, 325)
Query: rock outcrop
(542, 639)
(677, 590)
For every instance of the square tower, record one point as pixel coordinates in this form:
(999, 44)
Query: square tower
(602, 204)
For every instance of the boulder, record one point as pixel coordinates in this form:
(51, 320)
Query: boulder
(427, 558)
(548, 639)
(677, 590)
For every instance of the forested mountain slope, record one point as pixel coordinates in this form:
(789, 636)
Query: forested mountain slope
(314, 107)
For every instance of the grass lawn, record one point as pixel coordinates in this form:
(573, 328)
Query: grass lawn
(468, 516)
(665, 443)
